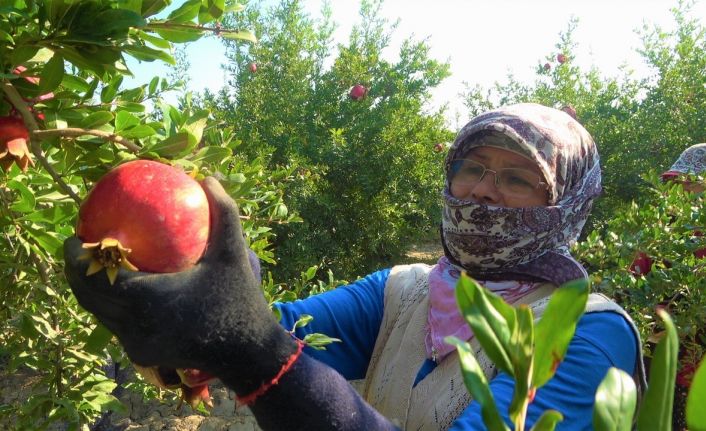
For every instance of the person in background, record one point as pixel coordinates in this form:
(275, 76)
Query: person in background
(520, 182)
(690, 164)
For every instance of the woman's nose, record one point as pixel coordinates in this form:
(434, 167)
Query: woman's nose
(486, 191)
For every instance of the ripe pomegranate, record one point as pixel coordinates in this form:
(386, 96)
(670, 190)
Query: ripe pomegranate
(151, 213)
(253, 67)
(547, 67)
(438, 147)
(14, 137)
(358, 92)
(561, 58)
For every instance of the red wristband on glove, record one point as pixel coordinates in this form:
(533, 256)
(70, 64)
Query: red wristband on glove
(249, 399)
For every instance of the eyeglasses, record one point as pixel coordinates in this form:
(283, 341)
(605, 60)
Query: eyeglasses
(510, 181)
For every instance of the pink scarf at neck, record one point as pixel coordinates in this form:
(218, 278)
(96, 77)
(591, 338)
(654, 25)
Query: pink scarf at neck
(445, 318)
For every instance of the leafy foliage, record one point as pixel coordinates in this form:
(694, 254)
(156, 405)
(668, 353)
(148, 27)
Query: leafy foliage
(368, 178)
(526, 350)
(62, 65)
(663, 226)
(637, 123)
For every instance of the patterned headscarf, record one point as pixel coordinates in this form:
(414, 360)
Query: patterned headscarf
(691, 161)
(497, 243)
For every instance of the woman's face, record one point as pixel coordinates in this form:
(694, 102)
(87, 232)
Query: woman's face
(487, 192)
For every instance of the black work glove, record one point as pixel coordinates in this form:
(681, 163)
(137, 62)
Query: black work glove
(212, 317)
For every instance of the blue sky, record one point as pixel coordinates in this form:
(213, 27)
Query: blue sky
(482, 40)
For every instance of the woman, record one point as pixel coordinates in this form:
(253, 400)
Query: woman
(520, 183)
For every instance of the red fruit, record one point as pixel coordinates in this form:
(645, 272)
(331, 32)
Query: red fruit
(253, 67)
(641, 265)
(438, 148)
(358, 92)
(561, 58)
(152, 213)
(14, 138)
(547, 66)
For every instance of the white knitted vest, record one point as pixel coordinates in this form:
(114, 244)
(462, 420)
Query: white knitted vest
(399, 353)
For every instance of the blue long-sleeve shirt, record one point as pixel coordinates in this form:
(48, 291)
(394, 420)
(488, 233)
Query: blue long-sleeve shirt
(353, 313)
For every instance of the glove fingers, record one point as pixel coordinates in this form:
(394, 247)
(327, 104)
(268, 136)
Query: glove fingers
(226, 241)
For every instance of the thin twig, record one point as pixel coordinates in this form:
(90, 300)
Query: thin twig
(76, 132)
(21, 107)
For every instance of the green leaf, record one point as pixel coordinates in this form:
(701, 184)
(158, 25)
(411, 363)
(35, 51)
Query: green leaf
(154, 40)
(125, 120)
(75, 83)
(212, 154)
(556, 328)
(656, 408)
(152, 7)
(54, 215)
(26, 200)
(477, 385)
(23, 53)
(181, 34)
(153, 85)
(109, 91)
(195, 126)
(490, 325)
(548, 421)
(138, 132)
(696, 400)
(304, 320)
(186, 12)
(145, 53)
(310, 272)
(98, 340)
(47, 240)
(5, 36)
(319, 341)
(521, 349)
(172, 145)
(116, 22)
(96, 119)
(239, 35)
(235, 8)
(616, 399)
(52, 74)
(45, 328)
(211, 10)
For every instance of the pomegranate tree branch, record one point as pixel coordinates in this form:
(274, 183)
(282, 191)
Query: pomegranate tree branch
(217, 30)
(76, 132)
(173, 25)
(16, 100)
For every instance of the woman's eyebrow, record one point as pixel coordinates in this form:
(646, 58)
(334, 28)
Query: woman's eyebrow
(528, 164)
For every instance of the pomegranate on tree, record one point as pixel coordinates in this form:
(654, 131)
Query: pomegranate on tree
(438, 147)
(253, 67)
(358, 92)
(561, 58)
(148, 216)
(14, 138)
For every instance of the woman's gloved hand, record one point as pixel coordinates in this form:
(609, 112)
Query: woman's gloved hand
(212, 317)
